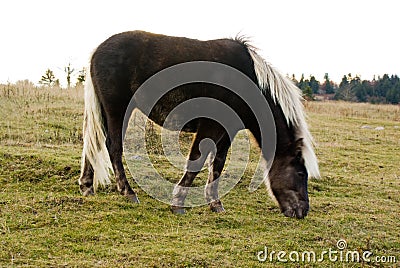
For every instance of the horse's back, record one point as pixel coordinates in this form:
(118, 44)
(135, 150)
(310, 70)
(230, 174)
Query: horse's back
(125, 61)
(137, 55)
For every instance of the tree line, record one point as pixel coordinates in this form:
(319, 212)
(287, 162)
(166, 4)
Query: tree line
(385, 89)
(50, 80)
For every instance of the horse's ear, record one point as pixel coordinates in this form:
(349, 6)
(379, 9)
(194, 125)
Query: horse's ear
(298, 149)
(298, 145)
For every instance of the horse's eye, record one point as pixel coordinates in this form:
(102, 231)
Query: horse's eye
(302, 174)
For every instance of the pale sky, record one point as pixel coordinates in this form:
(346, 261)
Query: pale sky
(311, 36)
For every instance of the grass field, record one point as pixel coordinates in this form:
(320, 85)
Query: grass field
(45, 222)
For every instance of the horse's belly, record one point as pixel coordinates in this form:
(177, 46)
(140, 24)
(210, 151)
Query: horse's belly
(175, 110)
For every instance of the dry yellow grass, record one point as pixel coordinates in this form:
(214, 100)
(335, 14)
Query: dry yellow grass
(356, 110)
(45, 222)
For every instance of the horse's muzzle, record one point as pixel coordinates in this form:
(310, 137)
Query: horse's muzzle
(298, 210)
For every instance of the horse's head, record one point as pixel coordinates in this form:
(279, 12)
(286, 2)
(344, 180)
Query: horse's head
(288, 181)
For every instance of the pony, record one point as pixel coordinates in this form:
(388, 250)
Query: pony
(123, 62)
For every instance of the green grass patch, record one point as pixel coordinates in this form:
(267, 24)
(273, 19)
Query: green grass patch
(45, 222)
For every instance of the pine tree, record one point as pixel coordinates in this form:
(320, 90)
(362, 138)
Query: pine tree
(301, 83)
(294, 80)
(48, 79)
(327, 86)
(81, 77)
(314, 84)
(308, 93)
(345, 90)
(69, 71)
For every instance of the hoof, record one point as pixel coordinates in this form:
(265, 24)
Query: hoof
(217, 207)
(132, 198)
(178, 210)
(86, 191)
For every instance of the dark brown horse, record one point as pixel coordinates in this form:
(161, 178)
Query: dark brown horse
(124, 62)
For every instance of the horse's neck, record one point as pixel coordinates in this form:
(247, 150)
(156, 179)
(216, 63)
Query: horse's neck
(284, 134)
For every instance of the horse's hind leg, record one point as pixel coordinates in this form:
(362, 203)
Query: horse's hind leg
(215, 170)
(114, 146)
(86, 179)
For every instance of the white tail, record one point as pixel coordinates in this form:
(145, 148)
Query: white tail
(94, 139)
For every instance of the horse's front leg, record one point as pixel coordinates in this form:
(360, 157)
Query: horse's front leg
(199, 151)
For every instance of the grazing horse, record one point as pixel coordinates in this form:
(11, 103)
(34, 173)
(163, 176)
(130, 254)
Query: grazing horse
(122, 63)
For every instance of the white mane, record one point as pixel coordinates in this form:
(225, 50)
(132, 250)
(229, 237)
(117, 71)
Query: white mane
(289, 97)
